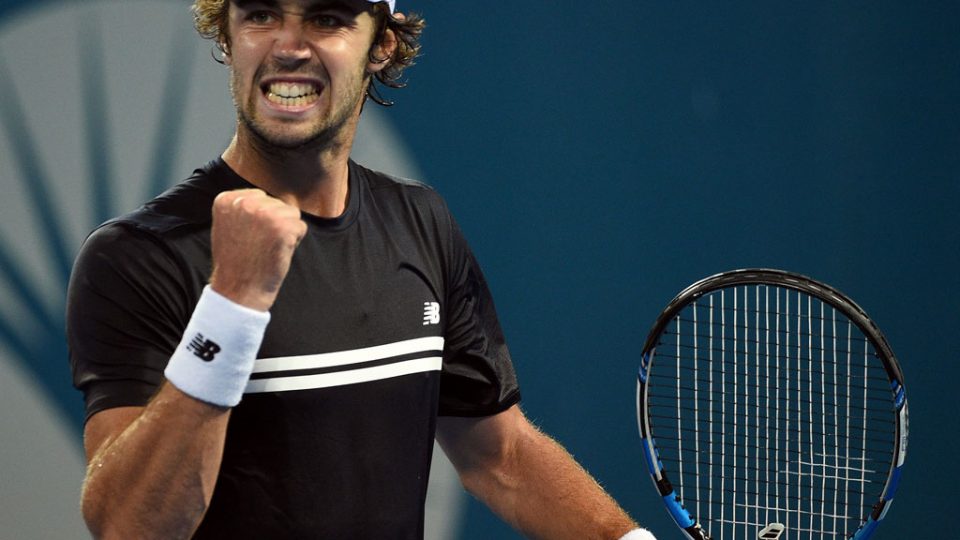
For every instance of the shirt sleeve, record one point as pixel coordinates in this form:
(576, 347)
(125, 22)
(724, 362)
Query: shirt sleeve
(126, 311)
(478, 378)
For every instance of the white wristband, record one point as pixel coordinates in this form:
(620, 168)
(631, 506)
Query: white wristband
(215, 357)
(638, 534)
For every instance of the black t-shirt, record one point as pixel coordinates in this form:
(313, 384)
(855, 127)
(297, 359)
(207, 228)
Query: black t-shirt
(383, 322)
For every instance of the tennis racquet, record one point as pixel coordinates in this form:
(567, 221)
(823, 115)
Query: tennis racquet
(776, 407)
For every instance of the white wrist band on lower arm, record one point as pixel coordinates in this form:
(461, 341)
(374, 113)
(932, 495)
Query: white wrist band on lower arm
(638, 534)
(214, 359)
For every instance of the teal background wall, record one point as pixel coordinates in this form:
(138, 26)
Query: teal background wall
(601, 156)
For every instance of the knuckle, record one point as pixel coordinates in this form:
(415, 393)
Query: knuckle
(224, 200)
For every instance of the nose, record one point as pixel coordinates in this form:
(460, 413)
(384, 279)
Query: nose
(290, 46)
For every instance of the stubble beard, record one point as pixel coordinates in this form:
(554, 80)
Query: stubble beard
(277, 139)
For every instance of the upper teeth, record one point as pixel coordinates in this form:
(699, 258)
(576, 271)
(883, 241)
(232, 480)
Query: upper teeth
(291, 90)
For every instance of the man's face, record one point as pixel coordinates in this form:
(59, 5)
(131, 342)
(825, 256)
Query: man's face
(298, 67)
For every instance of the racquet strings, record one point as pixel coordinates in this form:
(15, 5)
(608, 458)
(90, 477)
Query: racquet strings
(770, 406)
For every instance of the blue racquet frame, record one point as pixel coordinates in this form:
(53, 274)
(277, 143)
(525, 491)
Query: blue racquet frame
(693, 386)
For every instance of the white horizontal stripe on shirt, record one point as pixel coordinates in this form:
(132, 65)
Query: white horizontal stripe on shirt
(354, 356)
(341, 378)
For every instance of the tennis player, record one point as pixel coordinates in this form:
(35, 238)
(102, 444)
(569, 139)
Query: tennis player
(268, 349)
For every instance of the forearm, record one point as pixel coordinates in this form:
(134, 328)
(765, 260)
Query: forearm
(544, 493)
(156, 478)
(152, 470)
(528, 479)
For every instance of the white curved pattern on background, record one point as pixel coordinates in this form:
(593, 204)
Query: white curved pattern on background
(103, 134)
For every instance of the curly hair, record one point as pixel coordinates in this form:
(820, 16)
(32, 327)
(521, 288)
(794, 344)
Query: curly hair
(210, 20)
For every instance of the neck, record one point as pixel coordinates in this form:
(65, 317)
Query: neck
(314, 177)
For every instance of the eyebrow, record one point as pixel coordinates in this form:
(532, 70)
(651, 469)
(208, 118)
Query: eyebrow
(244, 3)
(313, 6)
(249, 5)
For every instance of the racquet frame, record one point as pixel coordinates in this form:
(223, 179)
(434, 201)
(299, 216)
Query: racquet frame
(785, 280)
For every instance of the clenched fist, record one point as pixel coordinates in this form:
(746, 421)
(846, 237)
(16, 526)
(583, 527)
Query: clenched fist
(252, 241)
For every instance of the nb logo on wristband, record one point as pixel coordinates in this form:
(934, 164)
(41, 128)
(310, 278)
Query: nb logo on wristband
(203, 349)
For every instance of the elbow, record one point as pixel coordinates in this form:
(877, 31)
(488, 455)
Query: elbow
(103, 518)
(122, 516)
(494, 477)
(495, 471)
(487, 452)
(93, 513)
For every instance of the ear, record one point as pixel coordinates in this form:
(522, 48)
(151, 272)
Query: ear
(225, 50)
(382, 52)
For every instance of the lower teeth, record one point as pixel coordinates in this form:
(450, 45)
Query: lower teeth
(290, 101)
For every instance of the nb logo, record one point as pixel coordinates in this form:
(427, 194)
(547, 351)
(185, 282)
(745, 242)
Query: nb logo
(204, 349)
(431, 313)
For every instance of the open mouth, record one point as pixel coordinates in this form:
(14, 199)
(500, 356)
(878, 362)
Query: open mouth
(290, 94)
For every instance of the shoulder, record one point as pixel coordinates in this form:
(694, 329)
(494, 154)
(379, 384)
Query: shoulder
(386, 186)
(183, 205)
(151, 229)
(122, 248)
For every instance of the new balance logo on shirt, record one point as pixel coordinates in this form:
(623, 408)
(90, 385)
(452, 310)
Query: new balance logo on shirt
(431, 313)
(203, 349)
